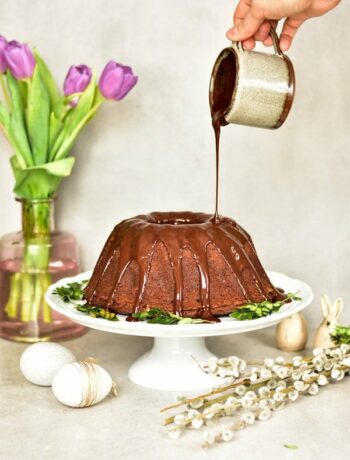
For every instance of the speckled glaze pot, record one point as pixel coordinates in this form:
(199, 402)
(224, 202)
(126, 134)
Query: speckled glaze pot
(262, 85)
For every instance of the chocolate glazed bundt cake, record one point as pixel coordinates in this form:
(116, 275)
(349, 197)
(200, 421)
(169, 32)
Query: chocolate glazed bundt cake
(180, 262)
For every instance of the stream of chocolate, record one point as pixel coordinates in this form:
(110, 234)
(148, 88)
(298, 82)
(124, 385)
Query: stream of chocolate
(220, 98)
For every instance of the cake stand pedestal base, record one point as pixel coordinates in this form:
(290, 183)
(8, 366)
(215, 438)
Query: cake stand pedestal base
(173, 365)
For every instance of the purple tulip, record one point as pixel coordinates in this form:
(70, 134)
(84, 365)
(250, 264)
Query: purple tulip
(77, 79)
(116, 81)
(20, 60)
(3, 64)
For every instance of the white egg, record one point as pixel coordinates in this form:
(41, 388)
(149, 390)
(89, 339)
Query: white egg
(81, 384)
(40, 362)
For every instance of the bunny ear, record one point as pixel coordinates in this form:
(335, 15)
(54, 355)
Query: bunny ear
(338, 307)
(325, 303)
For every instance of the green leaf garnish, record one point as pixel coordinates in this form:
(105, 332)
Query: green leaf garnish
(97, 312)
(158, 316)
(341, 334)
(71, 291)
(259, 310)
(290, 446)
(74, 291)
(291, 296)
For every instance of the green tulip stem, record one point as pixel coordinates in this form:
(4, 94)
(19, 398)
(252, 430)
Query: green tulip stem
(67, 142)
(26, 297)
(45, 309)
(36, 226)
(67, 109)
(28, 287)
(11, 308)
(5, 90)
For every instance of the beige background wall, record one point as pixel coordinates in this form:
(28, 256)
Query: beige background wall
(154, 151)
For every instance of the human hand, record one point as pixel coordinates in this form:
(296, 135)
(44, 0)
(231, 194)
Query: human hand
(254, 18)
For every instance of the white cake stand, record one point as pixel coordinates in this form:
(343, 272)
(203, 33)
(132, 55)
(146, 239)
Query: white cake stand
(172, 363)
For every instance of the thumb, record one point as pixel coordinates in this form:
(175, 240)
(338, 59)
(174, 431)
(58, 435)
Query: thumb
(247, 27)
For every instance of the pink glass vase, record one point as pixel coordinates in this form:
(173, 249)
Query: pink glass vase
(31, 260)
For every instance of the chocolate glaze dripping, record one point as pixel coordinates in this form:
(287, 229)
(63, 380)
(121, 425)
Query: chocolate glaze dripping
(137, 238)
(220, 100)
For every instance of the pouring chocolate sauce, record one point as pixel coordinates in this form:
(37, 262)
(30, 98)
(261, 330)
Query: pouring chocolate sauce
(220, 99)
(249, 88)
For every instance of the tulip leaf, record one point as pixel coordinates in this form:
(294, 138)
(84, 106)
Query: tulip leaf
(69, 140)
(56, 100)
(23, 89)
(73, 120)
(57, 144)
(15, 91)
(5, 123)
(82, 108)
(17, 139)
(38, 113)
(54, 130)
(42, 181)
(4, 117)
(17, 129)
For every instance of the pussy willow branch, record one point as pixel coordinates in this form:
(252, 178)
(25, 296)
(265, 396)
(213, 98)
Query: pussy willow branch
(241, 381)
(288, 389)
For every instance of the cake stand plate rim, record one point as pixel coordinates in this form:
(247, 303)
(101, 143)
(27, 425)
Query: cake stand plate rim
(227, 326)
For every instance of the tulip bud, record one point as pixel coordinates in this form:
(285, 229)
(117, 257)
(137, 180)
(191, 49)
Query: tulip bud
(116, 81)
(20, 60)
(77, 79)
(3, 64)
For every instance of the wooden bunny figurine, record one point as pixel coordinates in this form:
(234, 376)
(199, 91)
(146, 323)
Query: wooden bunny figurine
(331, 313)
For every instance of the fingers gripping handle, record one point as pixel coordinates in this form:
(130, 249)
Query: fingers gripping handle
(275, 42)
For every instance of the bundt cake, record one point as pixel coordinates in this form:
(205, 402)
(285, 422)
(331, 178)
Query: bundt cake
(181, 262)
